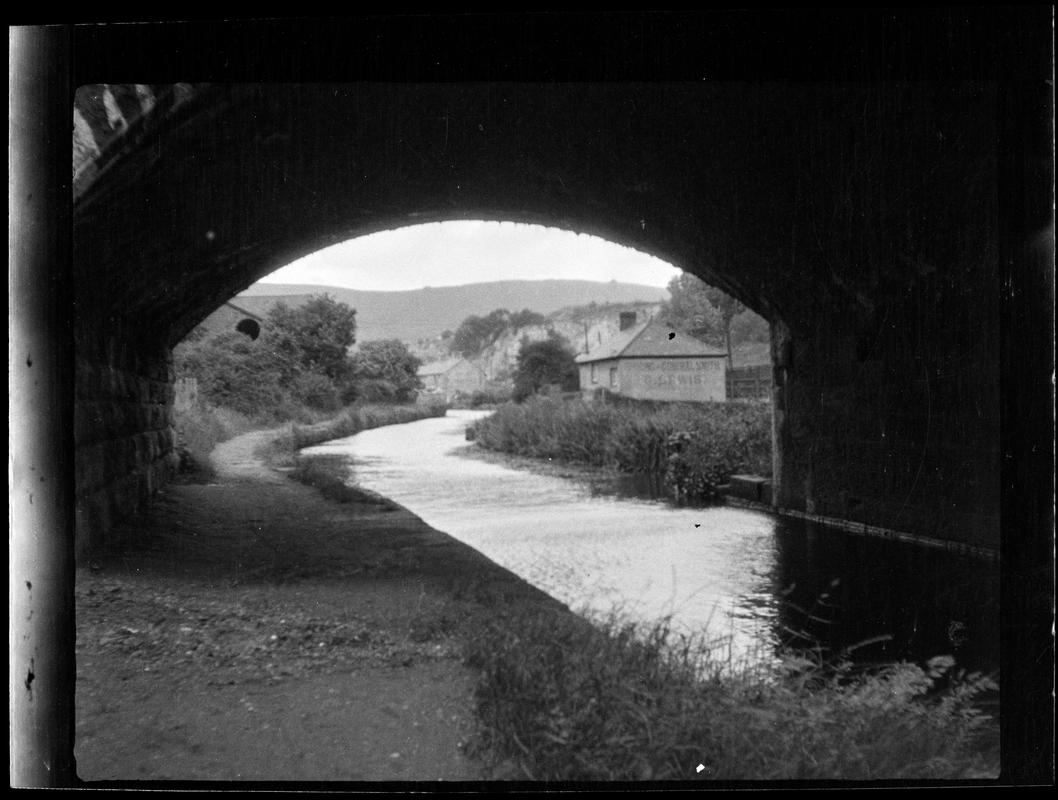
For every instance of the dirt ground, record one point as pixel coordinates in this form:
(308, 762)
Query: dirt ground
(245, 628)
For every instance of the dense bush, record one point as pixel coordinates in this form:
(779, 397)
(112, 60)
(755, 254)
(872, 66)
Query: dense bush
(488, 396)
(559, 699)
(300, 360)
(253, 378)
(386, 371)
(375, 390)
(313, 337)
(316, 391)
(234, 372)
(696, 447)
(543, 364)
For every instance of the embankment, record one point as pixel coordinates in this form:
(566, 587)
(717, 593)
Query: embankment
(248, 629)
(693, 449)
(252, 630)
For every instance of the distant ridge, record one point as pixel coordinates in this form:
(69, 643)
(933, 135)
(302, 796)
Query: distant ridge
(426, 313)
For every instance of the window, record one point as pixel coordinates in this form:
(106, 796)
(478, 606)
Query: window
(594, 379)
(613, 376)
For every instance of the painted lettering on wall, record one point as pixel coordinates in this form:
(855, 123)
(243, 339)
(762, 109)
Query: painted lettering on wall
(675, 379)
(704, 364)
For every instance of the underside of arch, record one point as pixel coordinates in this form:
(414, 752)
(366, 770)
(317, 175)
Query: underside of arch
(859, 219)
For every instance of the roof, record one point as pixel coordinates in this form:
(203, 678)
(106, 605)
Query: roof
(244, 311)
(261, 304)
(226, 317)
(651, 339)
(438, 367)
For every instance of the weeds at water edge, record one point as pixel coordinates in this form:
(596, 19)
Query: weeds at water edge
(328, 474)
(283, 450)
(561, 700)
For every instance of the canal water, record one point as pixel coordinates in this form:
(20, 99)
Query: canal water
(748, 581)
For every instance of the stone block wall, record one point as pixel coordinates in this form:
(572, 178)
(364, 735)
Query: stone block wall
(899, 427)
(123, 434)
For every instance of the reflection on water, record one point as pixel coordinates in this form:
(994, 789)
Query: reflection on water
(754, 579)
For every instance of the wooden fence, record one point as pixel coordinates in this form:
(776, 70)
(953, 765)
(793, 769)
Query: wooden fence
(749, 383)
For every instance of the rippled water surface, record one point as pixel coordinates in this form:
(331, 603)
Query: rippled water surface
(752, 579)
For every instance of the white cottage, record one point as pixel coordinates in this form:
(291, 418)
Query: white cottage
(652, 361)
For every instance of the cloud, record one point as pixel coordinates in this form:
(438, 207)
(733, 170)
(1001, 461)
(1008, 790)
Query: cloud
(454, 253)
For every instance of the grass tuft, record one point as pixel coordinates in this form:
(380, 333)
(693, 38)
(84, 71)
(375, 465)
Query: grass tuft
(329, 474)
(559, 699)
(199, 429)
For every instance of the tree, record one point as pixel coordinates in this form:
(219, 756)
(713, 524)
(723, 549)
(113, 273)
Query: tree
(703, 310)
(233, 371)
(544, 363)
(525, 318)
(314, 337)
(387, 363)
(476, 333)
(728, 307)
(690, 309)
(301, 355)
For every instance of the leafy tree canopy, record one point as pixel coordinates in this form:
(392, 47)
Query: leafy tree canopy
(315, 336)
(712, 314)
(525, 318)
(476, 333)
(233, 371)
(691, 308)
(388, 361)
(550, 362)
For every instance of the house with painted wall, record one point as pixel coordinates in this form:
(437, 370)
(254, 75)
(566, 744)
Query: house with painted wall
(652, 361)
(451, 377)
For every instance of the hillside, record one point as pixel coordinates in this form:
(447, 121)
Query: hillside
(425, 313)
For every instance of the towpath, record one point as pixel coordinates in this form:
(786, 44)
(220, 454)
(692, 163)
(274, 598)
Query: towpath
(248, 629)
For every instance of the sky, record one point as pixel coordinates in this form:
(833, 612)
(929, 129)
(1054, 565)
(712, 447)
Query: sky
(469, 251)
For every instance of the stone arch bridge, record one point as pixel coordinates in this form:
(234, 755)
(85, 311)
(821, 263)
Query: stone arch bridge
(859, 219)
(898, 234)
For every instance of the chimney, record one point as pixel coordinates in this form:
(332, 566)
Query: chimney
(628, 319)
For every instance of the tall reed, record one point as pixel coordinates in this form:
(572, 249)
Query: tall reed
(707, 442)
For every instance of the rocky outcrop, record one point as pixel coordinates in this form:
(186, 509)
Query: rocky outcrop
(582, 327)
